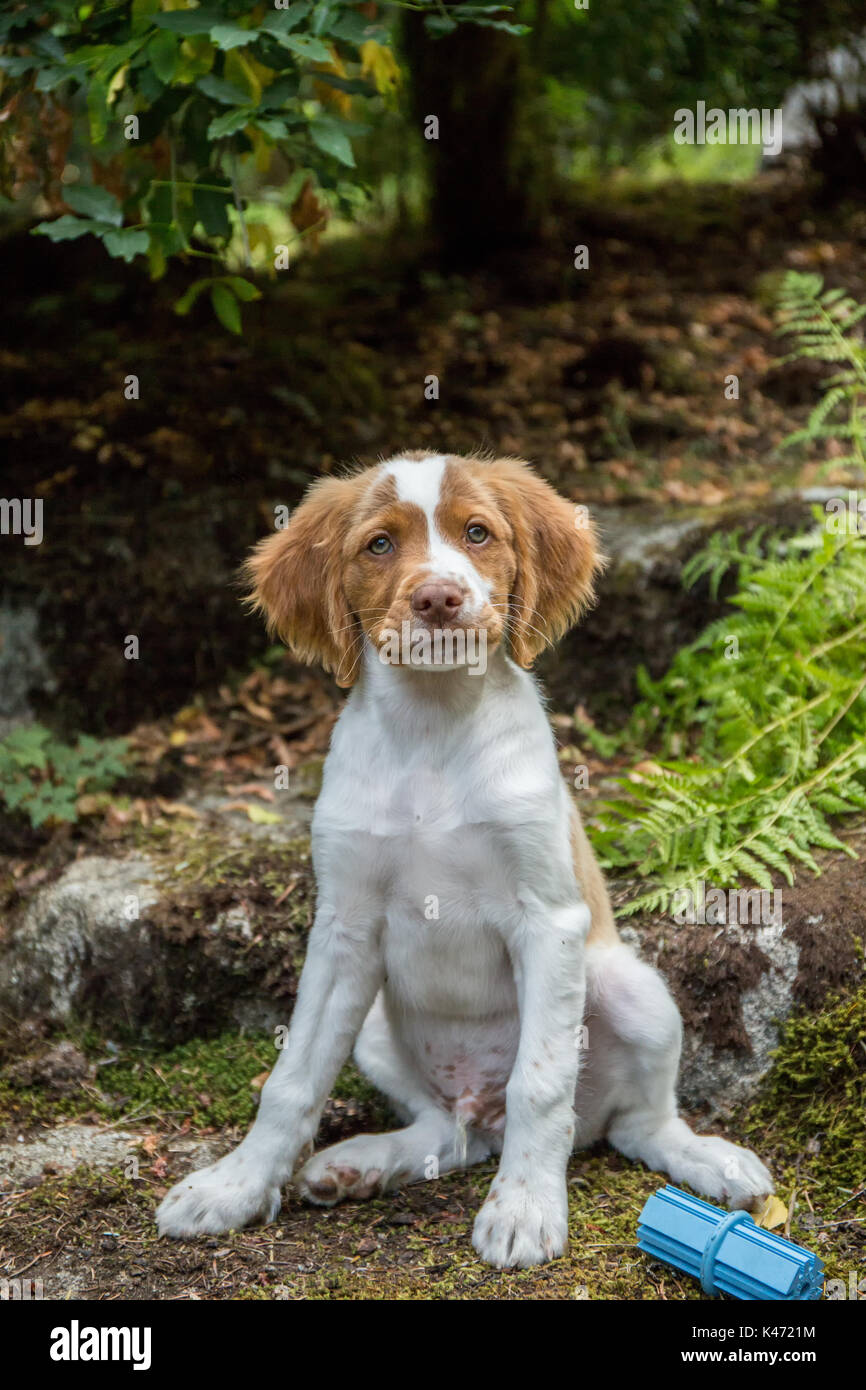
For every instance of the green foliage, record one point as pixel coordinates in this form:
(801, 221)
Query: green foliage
(618, 81)
(824, 325)
(761, 724)
(44, 777)
(814, 1091)
(173, 111)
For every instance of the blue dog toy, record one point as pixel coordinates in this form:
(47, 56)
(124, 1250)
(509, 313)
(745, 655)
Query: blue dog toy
(726, 1250)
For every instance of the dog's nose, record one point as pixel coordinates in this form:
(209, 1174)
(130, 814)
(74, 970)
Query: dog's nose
(436, 601)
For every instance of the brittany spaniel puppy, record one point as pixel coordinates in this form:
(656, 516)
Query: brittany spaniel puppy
(463, 941)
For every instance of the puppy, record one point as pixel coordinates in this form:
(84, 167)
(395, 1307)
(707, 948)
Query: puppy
(463, 942)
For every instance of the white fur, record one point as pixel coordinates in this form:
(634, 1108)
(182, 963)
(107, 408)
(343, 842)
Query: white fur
(449, 945)
(420, 481)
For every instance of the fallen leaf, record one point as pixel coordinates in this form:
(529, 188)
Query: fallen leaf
(266, 793)
(259, 816)
(770, 1214)
(177, 808)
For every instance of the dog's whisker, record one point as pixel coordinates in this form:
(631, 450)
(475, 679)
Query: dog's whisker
(545, 639)
(358, 652)
(527, 608)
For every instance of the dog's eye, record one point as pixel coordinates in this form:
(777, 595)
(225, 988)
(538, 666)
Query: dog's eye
(380, 545)
(476, 533)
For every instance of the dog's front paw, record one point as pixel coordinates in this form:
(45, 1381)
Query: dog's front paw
(225, 1196)
(726, 1172)
(517, 1228)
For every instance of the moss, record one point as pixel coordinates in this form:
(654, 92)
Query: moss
(210, 1082)
(196, 855)
(814, 1093)
(809, 1122)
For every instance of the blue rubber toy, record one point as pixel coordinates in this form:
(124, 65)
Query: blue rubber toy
(726, 1250)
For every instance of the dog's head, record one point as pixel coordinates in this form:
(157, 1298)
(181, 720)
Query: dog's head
(425, 544)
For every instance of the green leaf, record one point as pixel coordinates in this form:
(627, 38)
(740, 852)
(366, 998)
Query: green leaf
(211, 209)
(50, 78)
(321, 17)
(183, 305)
(220, 90)
(354, 28)
(16, 67)
(518, 30)
(226, 308)
(437, 25)
(233, 121)
(327, 134)
(305, 46)
(143, 12)
(95, 202)
(242, 288)
(188, 22)
(280, 92)
(66, 228)
(228, 36)
(283, 21)
(163, 52)
(274, 126)
(127, 243)
(97, 108)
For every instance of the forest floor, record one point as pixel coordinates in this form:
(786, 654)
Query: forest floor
(613, 381)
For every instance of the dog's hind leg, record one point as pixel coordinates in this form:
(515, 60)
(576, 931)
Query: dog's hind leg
(372, 1163)
(638, 1028)
(379, 1056)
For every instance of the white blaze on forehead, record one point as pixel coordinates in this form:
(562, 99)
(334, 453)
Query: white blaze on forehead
(420, 481)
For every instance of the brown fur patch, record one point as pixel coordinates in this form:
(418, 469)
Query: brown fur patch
(379, 587)
(556, 551)
(296, 577)
(602, 930)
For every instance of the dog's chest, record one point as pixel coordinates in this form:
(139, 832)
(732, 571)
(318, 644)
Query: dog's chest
(428, 847)
(442, 839)
(430, 858)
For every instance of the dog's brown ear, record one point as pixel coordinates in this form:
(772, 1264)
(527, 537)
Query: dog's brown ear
(557, 553)
(295, 577)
